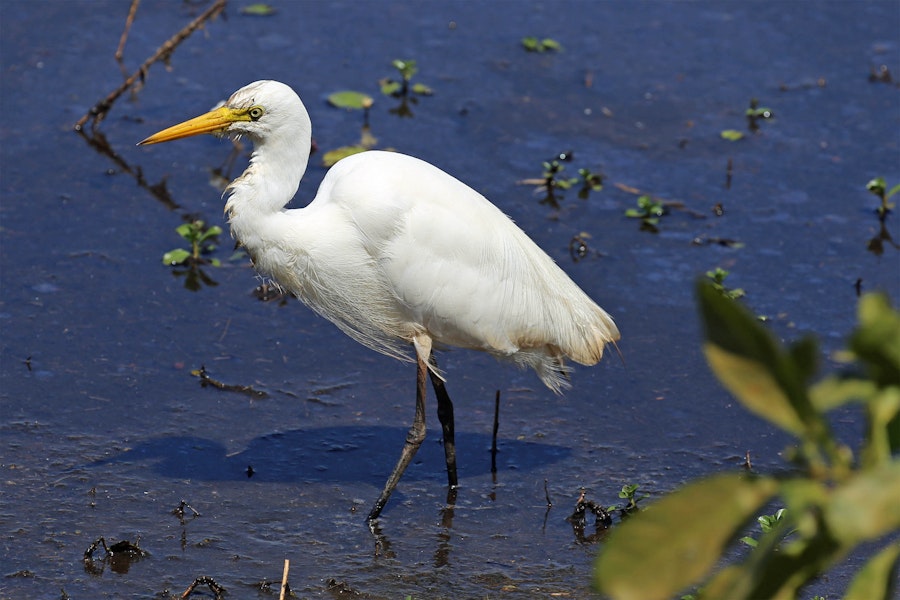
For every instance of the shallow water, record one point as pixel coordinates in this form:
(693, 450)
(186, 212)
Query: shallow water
(105, 430)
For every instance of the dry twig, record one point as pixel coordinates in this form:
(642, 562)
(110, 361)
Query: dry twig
(99, 110)
(284, 578)
(128, 22)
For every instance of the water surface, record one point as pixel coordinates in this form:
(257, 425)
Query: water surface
(105, 430)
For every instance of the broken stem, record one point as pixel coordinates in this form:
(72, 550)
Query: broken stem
(284, 578)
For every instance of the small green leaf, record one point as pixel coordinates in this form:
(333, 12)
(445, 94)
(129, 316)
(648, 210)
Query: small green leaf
(833, 392)
(877, 340)
(258, 10)
(389, 87)
(531, 44)
(186, 230)
(753, 385)
(175, 257)
(422, 89)
(407, 68)
(877, 186)
(350, 100)
(751, 364)
(732, 135)
(866, 507)
(760, 112)
(209, 233)
(551, 45)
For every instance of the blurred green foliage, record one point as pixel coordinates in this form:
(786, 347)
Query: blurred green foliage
(834, 499)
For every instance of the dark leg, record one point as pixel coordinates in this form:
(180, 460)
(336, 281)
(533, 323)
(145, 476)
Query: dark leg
(445, 416)
(413, 440)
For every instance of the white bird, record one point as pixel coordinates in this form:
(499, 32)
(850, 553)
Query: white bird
(396, 252)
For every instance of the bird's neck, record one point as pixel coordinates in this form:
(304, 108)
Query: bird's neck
(269, 183)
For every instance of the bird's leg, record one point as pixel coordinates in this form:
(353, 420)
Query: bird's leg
(445, 416)
(413, 440)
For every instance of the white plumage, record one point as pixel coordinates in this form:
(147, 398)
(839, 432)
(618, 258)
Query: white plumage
(395, 251)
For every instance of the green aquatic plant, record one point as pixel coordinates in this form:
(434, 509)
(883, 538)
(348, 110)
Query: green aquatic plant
(732, 135)
(408, 94)
(202, 240)
(533, 44)
(628, 493)
(406, 69)
(552, 181)
(717, 278)
(351, 100)
(766, 524)
(878, 187)
(756, 113)
(552, 174)
(590, 182)
(367, 141)
(835, 499)
(649, 211)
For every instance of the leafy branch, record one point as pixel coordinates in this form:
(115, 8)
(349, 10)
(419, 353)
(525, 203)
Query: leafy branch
(834, 499)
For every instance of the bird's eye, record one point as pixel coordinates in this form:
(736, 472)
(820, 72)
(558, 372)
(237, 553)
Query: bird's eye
(255, 113)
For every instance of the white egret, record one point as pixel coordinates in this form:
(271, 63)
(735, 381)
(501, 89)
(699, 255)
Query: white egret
(396, 252)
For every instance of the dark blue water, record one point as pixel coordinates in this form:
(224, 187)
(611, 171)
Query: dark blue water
(105, 430)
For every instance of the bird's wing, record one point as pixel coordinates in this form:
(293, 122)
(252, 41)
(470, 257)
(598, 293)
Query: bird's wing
(457, 266)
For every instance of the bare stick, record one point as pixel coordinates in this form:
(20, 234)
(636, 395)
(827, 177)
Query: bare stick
(284, 586)
(496, 428)
(128, 21)
(99, 110)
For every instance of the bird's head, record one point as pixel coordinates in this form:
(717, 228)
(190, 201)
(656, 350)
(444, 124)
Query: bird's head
(260, 111)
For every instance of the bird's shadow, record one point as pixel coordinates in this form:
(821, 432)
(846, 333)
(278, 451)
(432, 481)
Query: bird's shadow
(358, 454)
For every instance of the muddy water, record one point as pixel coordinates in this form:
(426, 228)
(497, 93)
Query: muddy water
(105, 429)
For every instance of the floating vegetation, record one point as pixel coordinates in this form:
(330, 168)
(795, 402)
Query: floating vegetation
(878, 187)
(533, 44)
(649, 211)
(202, 240)
(351, 100)
(732, 135)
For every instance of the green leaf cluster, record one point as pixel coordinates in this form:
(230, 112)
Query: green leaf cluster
(590, 182)
(717, 280)
(879, 187)
(648, 210)
(629, 493)
(202, 240)
(834, 499)
(552, 179)
(759, 112)
(406, 68)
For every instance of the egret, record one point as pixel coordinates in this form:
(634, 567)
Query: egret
(398, 253)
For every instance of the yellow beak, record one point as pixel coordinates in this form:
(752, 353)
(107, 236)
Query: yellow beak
(212, 122)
